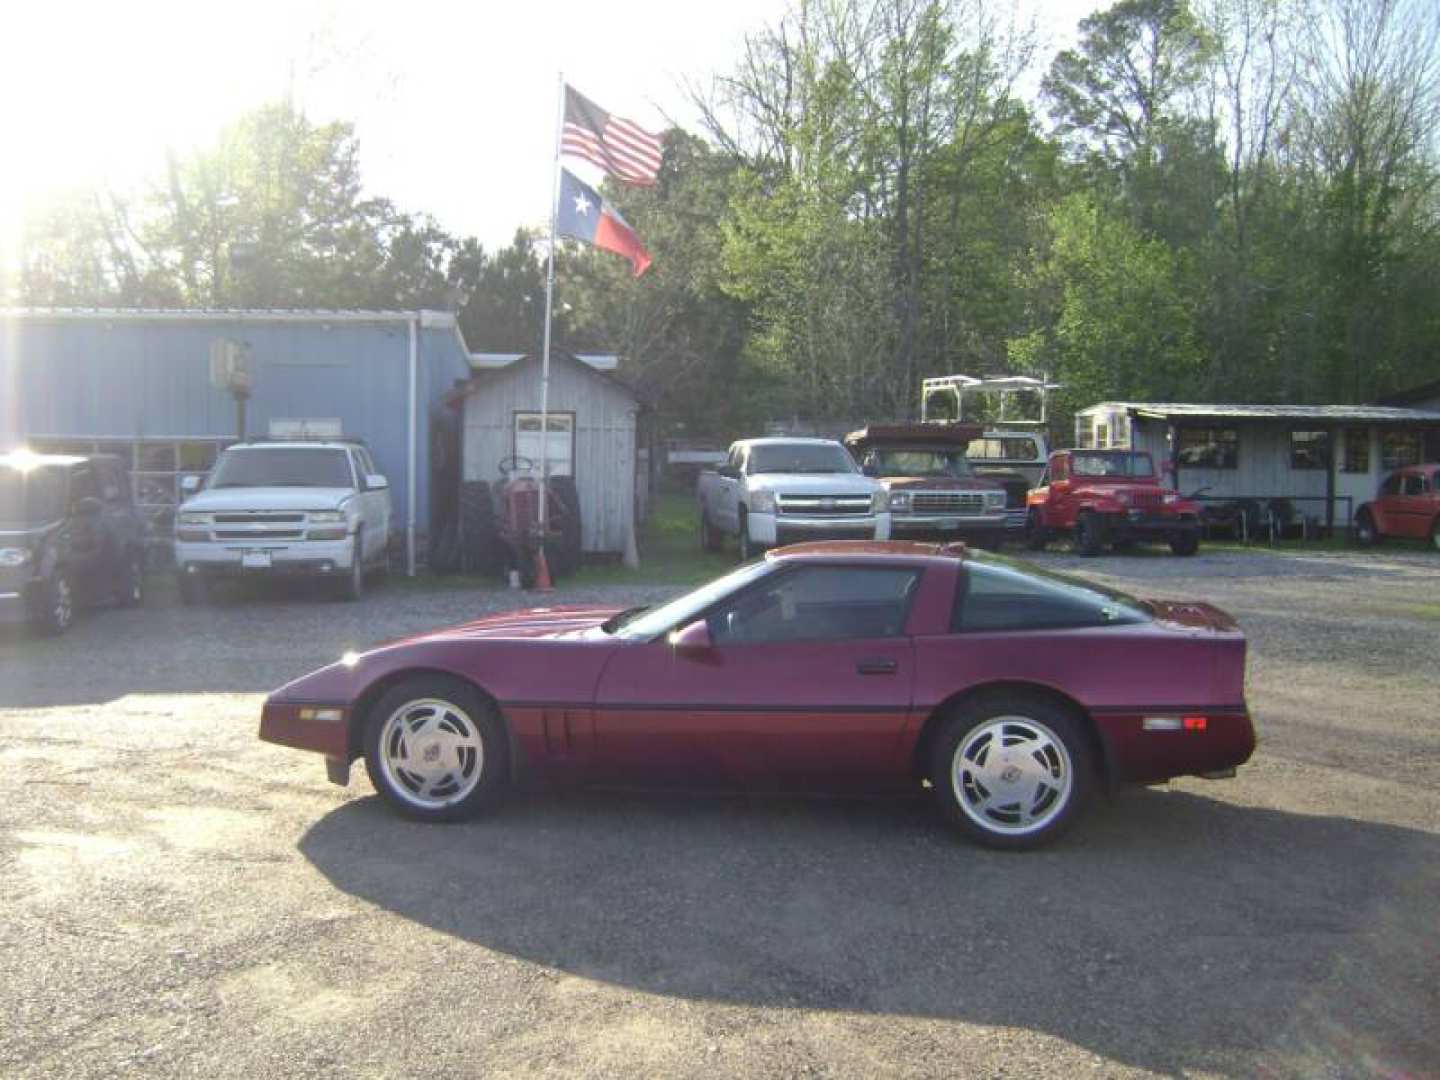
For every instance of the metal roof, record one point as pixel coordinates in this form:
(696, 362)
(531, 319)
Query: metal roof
(431, 319)
(1171, 410)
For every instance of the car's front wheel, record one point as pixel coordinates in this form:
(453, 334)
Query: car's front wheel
(130, 589)
(436, 749)
(57, 604)
(745, 545)
(1035, 535)
(1089, 534)
(1012, 771)
(1366, 535)
(1185, 542)
(353, 586)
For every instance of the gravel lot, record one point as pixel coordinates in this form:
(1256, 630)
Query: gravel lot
(181, 898)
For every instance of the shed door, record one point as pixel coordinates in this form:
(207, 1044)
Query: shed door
(559, 447)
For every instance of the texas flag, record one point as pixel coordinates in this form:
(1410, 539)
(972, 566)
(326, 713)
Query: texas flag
(583, 214)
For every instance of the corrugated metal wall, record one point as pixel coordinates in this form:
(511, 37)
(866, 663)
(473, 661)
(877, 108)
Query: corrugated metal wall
(604, 440)
(148, 378)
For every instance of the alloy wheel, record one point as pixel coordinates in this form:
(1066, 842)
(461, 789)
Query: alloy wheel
(1012, 775)
(431, 753)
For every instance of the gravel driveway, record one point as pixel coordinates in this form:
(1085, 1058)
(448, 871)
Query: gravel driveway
(181, 898)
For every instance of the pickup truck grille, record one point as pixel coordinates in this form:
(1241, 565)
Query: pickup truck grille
(259, 534)
(947, 502)
(260, 517)
(824, 505)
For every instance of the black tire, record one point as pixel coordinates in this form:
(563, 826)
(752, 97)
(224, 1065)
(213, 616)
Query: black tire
(56, 611)
(1045, 740)
(478, 551)
(1089, 537)
(1366, 534)
(445, 552)
(352, 586)
(1035, 536)
(1435, 534)
(1185, 543)
(194, 590)
(563, 554)
(746, 548)
(130, 588)
(469, 717)
(711, 539)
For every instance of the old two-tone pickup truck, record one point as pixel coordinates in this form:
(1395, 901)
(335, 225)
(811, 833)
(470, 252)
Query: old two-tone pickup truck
(933, 491)
(782, 490)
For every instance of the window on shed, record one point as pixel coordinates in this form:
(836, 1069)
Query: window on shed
(1400, 448)
(558, 447)
(1357, 451)
(1309, 449)
(1209, 448)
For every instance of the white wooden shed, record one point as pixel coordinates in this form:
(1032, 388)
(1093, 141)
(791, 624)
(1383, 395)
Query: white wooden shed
(594, 436)
(1327, 458)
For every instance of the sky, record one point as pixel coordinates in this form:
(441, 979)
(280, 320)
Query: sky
(453, 103)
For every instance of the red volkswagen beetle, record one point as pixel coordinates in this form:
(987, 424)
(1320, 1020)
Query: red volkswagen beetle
(1011, 692)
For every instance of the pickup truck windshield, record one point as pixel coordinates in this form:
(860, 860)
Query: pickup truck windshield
(31, 496)
(918, 463)
(283, 467)
(800, 458)
(1111, 463)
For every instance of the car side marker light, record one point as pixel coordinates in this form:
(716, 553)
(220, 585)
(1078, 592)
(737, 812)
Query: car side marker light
(1161, 723)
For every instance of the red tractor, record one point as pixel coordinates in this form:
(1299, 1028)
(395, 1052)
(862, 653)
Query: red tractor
(1101, 497)
(517, 520)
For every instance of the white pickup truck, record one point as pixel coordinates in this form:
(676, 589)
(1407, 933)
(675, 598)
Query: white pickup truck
(778, 491)
(317, 509)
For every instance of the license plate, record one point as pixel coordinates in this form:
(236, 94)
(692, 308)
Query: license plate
(255, 560)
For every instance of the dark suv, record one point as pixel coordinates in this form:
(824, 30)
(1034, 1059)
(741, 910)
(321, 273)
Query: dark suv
(69, 534)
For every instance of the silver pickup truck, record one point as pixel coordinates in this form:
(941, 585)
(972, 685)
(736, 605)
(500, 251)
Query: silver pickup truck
(783, 490)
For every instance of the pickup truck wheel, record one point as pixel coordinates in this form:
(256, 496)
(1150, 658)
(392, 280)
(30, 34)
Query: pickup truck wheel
(130, 589)
(1035, 538)
(710, 538)
(1012, 770)
(57, 604)
(353, 586)
(436, 749)
(1185, 542)
(1089, 540)
(747, 549)
(1366, 535)
(1435, 534)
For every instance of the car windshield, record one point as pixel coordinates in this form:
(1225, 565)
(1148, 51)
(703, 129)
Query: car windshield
(283, 467)
(649, 623)
(800, 458)
(1111, 463)
(31, 496)
(997, 448)
(919, 463)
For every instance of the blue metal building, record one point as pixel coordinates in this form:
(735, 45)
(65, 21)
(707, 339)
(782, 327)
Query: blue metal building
(151, 386)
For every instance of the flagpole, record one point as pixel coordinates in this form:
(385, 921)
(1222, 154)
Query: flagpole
(549, 299)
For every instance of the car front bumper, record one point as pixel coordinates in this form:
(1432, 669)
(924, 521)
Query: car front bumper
(1142, 526)
(771, 529)
(15, 606)
(317, 558)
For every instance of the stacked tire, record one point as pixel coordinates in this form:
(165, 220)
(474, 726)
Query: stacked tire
(478, 544)
(564, 560)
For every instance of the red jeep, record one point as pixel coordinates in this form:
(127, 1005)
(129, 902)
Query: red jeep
(1108, 496)
(1408, 505)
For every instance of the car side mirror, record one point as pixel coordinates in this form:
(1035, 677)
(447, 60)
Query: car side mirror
(89, 506)
(376, 482)
(190, 484)
(692, 640)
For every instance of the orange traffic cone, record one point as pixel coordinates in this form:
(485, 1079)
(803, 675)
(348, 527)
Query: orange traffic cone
(542, 572)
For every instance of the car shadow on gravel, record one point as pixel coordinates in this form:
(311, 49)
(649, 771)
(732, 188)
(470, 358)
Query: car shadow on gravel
(1170, 931)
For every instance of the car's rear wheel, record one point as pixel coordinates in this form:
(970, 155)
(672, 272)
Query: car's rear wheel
(130, 589)
(746, 547)
(1011, 770)
(1035, 537)
(435, 749)
(1185, 542)
(1089, 537)
(57, 604)
(710, 538)
(352, 588)
(1366, 535)
(1435, 534)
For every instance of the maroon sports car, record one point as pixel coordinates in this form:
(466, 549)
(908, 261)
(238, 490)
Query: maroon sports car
(1011, 692)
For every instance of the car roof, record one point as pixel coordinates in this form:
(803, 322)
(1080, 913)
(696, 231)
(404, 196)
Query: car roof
(294, 444)
(866, 550)
(788, 440)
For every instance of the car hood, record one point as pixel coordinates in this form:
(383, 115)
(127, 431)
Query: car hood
(939, 483)
(815, 483)
(266, 498)
(527, 623)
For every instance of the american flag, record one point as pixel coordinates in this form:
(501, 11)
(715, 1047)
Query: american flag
(619, 146)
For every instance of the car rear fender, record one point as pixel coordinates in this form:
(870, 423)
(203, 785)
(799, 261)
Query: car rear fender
(935, 721)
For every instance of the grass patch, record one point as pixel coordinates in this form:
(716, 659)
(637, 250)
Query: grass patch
(670, 554)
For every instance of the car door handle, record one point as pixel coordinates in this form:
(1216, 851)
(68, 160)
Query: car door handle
(876, 667)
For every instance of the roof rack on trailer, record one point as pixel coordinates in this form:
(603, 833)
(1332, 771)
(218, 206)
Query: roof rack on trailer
(1003, 386)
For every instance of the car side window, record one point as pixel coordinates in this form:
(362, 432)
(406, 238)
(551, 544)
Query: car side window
(992, 598)
(819, 603)
(1391, 485)
(1413, 484)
